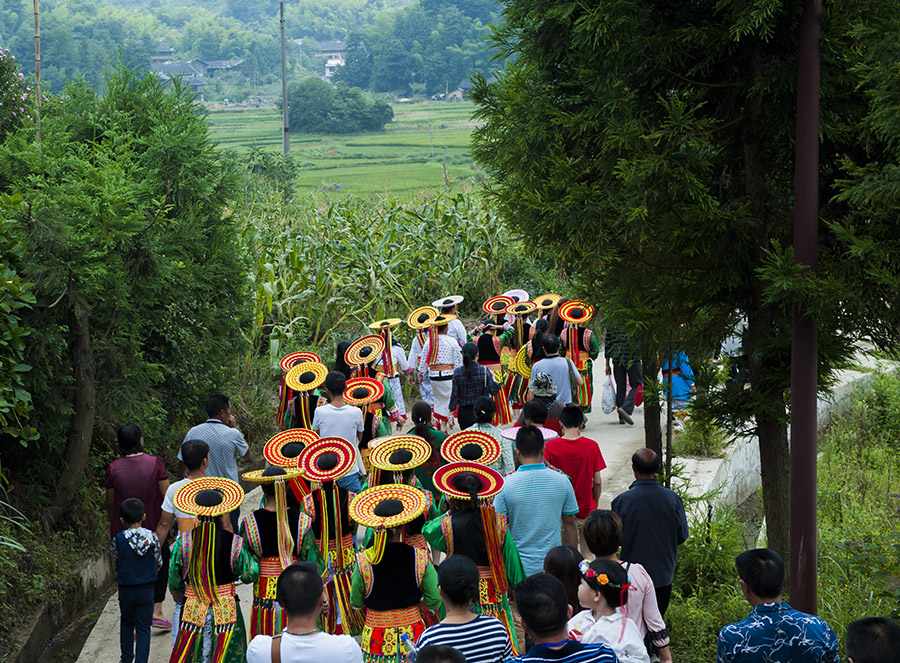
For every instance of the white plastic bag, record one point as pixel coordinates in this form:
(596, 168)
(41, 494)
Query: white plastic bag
(608, 404)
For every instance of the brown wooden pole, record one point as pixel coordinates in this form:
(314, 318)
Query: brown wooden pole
(804, 351)
(37, 76)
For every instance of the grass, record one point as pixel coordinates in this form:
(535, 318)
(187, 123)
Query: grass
(398, 162)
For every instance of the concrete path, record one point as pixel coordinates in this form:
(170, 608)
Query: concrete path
(617, 443)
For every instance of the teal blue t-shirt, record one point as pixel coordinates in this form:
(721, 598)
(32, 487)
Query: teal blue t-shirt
(534, 499)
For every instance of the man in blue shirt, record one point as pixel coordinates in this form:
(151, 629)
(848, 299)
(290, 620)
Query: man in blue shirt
(774, 632)
(534, 499)
(545, 611)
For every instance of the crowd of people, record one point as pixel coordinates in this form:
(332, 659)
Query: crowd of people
(432, 546)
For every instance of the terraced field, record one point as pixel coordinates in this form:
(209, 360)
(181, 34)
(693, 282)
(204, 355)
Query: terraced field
(405, 159)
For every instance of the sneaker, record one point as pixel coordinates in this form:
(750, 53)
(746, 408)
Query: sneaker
(624, 417)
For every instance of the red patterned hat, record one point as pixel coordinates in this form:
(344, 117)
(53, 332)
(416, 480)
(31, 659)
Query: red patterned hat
(576, 312)
(284, 448)
(453, 479)
(362, 391)
(471, 446)
(297, 357)
(327, 459)
(498, 305)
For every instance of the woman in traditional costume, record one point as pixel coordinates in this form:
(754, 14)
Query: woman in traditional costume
(324, 462)
(582, 347)
(282, 450)
(516, 339)
(472, 528)
(393, 580)
(490, 355)
(205, 563)
(422, 418)
(420, 321)
(394, 459)
(277, 536)
(286, 417)
(303, 381)
(547, 305)
(442, 356)
(392, 363)
(369, 395)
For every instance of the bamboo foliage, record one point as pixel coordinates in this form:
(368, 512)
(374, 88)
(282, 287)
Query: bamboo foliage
(324, 271)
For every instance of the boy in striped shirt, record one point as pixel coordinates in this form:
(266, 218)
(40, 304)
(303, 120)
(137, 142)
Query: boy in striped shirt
(544, 609)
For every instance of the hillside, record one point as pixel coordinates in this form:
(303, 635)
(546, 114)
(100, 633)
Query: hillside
(396, 46)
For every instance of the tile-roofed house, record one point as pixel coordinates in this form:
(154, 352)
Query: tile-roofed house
(163, 53)
(331, 49)
(211, 67)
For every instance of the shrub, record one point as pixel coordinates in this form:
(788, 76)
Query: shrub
(314, 106)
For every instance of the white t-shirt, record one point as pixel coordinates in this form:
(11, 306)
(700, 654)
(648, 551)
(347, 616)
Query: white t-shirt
(456, 329)
(345, 422)
(626, 642)
(306, 649)
(168, 504)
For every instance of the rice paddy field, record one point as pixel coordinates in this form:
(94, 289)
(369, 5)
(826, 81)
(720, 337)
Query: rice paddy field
(404, 160)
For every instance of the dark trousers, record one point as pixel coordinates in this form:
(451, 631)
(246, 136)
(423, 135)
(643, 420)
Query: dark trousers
(663, 594)
(635, 374)
(162, 578)
(136, 613)
(466, 416)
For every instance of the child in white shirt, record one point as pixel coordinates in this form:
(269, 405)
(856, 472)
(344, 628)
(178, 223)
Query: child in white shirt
(603, 589)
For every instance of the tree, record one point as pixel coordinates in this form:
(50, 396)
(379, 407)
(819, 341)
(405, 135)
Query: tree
(138, 276)
(651, 145)
(317, 107)
(357, 70)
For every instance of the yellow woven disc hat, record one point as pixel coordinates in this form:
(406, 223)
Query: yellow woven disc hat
(362, 391)
(396, 453)
(421, 318)
(272, 474)
(521, 308)
(327, 459)
(576, 312)
(387, 323)
(462, 479)
(443, 319)
(546, 302)
(471, 446)
(520, 364)
(306, 376)
(364, 350)
(384, 507)
(285, 448)
(209, 496)
(498, 305)
(297, 357)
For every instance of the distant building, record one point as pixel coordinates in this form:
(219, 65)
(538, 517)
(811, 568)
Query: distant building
(462, 90)
(163, 53)
(209, 68)
(331, 49)
(186, 71)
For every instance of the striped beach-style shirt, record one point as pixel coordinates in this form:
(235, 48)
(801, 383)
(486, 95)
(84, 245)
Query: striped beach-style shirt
(482, 640)
(572, 652)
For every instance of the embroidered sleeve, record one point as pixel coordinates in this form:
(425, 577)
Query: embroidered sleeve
(365, 571)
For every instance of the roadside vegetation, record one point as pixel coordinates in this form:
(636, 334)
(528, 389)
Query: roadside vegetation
(859, 531)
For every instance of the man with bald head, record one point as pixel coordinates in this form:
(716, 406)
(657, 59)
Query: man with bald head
(653, 524)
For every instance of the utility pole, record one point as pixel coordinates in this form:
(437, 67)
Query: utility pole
(431, 140)
(446, 178)
(286, 146)
(804, 349)
(37, 76)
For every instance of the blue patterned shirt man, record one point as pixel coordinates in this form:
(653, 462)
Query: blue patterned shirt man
(774, 632)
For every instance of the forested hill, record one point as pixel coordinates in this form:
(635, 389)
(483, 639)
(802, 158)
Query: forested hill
(401, 46)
